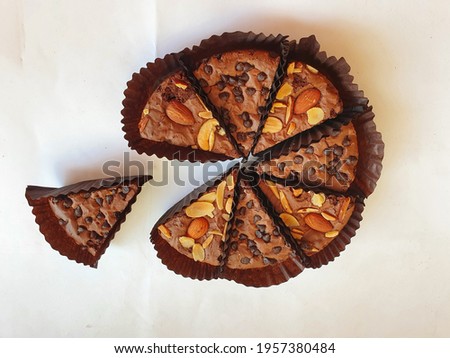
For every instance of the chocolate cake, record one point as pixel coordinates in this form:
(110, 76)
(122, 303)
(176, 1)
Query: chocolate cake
(238, 84)
(80, 220)
(330, 162)
(313, 218)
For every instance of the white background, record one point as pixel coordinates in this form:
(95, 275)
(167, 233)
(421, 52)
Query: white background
(63, 68)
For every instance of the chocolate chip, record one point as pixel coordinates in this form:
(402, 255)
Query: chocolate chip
(352, 159)
(256, 218)
(248, 66)
(224, 96)
(309, 150)
(239, 66)
(249, 204)
(276, 232)
(242, 211)
(338, 150)
(311, 171)
(322, 168)
(234, 246)
(232, 127)
(78, 212)
(248, 124)
(241, 136)
(106, 225)
(243, 78)
(250, 91)
(239, 99)
(237, 91)
(117, 214)
(243, 237)
(67, 202)
(261, 227)
(202, 82)
(255, 251)
(264, 91)
(62, 222)
(266, 238)
(251, 244)
(327, 151)
(298, 159)
(221, 85)
(125, 189)
(87, 195)
(109, 198)
(81, 229)
(245, 260)
(99, 201)
(88, 220)
(94, 235)
(100, 215)
(281, 166)
(259, 234)
(269, 261)
(276, 249)
(245, 116)
(231, 80)
(208, 69)
(346, 141)
(261, 76)
(261, 109)
(342, 177)
(239, 222)
(251, 134)
(234, 233)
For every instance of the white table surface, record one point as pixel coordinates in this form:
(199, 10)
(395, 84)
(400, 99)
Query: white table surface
(63, 69)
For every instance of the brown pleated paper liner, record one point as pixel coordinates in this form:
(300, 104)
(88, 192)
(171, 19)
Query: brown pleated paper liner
(170, 257)
(270, 275)
(230, 41)
(55, 235)
(138, 91)
(307, 50)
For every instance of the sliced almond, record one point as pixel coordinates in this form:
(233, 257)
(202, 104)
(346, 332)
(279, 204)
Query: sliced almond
(197, 228)
(289, 220)
(212, 138)
(205, 114)
(198, 253)
(215, 232)
(205, 132)
(179, 113)
(199, 209)
(272, 125)
(312, 69)
(208, 197)
(307, 210)
(315, 115)
(164, 231)
(318, 199)
(208, 241)
(224, 233)
(180, 83)
(331, 234)
(145, 111)
(328, 216)
(220, 194)
(186, 242)
(288, 114)
(230, 182)
(297, 235)
(290, 68)
(318, 222)
(274, 188)
(143, 123)
(226, 217)
(291, 128)
(306, 100)
(285, 90)
(298, 67)
(201, 102)
(344, 208)
(285, 203)
(297, 230)
(221, 132)
(277, 104)
(297, 192)
(228, 205)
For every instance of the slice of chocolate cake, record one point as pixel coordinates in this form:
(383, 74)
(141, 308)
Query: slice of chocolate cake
(330, 163)
(238, 83)
(305, 98)
(258, 253)
(313, 218)
(80, 220)
(190, 237)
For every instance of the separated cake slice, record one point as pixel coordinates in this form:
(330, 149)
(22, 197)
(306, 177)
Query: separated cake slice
(80, 220)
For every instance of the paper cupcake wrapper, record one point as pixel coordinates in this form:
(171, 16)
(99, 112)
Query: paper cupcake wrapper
(37, 198)
(138, 91)
(370, 154)
(230, 41)
(273, 274)
(170, 257)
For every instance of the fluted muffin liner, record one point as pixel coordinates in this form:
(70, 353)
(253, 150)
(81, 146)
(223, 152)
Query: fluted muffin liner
(54, 234)
(139, 89)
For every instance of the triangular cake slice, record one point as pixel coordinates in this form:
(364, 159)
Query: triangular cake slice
(313, 218)
(238, 83)
(258, 253)
(80, 220)
(175, 114)
(190, 237)
(330, 162)
(305, 98)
